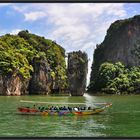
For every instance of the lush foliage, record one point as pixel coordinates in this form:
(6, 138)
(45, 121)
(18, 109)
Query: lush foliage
(54, 54)
(18, 51)
(117, 79)
(15, 54)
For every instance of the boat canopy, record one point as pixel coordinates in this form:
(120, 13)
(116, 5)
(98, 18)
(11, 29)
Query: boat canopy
(39, 102)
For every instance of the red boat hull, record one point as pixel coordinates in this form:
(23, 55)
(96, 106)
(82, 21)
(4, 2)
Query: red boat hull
(27, 110)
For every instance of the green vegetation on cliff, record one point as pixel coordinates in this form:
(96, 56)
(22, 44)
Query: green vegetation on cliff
(117, 79)
(54, 54)
(77, 72)
(121, 44)
(18, 51)
(15, 55)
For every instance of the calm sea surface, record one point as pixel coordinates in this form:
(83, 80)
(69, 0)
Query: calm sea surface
(123, 119)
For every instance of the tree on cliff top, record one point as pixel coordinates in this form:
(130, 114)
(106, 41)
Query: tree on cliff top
(18, 51)
(54, 54)
(15, 54)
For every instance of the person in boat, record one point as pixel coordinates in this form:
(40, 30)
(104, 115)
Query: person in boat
(84, 108)
(89, 108)
(64, 108)
(42, 109)
(46, 109)
(54, 108)
(34, 106)
(69, 108)
(51, 108)
(57, 109)
(39, 108)
(81, 108)
(75, 109)
(60, 108)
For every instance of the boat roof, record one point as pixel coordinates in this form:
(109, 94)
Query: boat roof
(39, 102)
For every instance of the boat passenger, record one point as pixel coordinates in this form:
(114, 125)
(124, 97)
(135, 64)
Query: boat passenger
(76, 109)
(60, 108)
(51, 108)
(81, 108)
(64, 108)
(69, 108)
(46, 108)
(34, 106)
(84, 108)
(89, 108)
(55, 108)
(42, 109)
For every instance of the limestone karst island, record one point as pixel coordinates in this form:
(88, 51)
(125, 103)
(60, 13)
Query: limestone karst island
(116, 61)
(31, 64)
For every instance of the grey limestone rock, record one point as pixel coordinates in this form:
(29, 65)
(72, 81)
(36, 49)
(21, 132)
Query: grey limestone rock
(77, 72)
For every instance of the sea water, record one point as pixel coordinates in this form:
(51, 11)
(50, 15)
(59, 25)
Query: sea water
(121, 120)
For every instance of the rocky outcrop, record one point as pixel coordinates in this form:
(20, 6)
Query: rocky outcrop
(1, 85)
(31, 64)
(39, 64)
(13, 85)
(41, 80)
(77, 72)
(122, 43)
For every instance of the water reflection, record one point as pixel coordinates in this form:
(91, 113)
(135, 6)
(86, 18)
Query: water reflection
(76, 125)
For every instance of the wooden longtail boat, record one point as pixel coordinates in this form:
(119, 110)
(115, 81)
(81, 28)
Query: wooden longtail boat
(67, 111)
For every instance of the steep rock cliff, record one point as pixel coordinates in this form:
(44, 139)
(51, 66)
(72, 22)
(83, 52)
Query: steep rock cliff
(54, 58)
(24, 59)
(41, 80)
(1, 84)
(122, 43)
(13, 85)
(77, 72)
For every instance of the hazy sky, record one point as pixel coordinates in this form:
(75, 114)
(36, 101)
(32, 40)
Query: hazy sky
(74, 26)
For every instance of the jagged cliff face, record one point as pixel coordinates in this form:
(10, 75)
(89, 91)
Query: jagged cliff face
(1, 84)
(41, 80)
(13, 85)
(122, 43)
(30, 64)
(77, 72)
